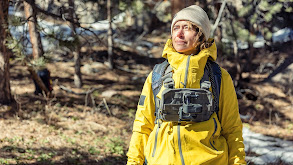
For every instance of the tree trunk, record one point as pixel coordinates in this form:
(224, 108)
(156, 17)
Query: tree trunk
(177, 5)
(214, 27)
(36, 41)
(239, 70)
(110, 36)
(237, 59)
(35, 37)
(38, 80)
(76, 50)
(5, 92)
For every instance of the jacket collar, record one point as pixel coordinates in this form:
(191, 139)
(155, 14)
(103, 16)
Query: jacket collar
(175, 58)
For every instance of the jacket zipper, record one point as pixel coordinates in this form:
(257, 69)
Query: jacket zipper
(216, 127)
(186, 71)
(156, 137)
(179, 124)
(179, 144)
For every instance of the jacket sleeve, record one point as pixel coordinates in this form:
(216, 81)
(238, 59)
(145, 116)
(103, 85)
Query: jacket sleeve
(230, 120)
(143, 124)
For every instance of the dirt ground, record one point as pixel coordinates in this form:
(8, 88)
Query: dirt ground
(73, 127)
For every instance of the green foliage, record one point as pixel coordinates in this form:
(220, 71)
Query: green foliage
(96, 93)
(94, 151)
(131, 113)
(137, 6)
(17, 48)
(61, 39)
(115, 146)
(269, 9)
(264, 5)
(286, 1)
(253, 18)
(268, 34)
(289, 9)
(272, 11)
(68, 139)
(242, 33)
(276, 8)
(15, 20)
(15, 45)
(122, 5)
(245, 10)
(45, 157)
(37, 63)
(4, 161)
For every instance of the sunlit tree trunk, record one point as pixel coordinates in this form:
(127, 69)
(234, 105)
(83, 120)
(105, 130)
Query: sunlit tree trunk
(5, 92)
(76, 50)
(110, 36)
(35, 37)
(236, 54)
(219, 15)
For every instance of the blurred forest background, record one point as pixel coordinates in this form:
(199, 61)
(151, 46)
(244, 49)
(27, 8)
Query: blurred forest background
(71, 72)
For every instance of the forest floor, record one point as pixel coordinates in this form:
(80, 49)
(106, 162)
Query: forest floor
(92, 125)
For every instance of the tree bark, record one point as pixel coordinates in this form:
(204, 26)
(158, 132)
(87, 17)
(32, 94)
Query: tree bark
(5, 92)
(76, 50)
(214, 27)
(177, 5)
(35, 37)
(236, 53)
(110, 36)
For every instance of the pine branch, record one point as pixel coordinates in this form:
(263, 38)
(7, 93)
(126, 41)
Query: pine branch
(60, 17)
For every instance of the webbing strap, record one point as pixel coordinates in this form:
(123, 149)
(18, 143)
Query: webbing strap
(158, 73)
(217, 75)
(212, 79)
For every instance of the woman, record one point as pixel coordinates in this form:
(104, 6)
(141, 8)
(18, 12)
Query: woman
(214, 140)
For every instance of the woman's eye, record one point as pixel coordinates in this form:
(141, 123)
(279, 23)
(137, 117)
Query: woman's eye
(186, 28)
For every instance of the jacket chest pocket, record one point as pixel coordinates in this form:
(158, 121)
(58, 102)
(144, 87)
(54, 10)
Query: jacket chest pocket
(194, 74)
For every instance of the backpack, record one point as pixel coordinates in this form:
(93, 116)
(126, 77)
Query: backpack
(212, 73)
(44, 74)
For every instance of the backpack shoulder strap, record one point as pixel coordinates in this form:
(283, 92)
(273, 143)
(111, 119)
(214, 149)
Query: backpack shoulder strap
(158, 73)
(215, 78)
(217, 75)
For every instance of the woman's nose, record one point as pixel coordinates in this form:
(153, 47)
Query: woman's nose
(180, 33)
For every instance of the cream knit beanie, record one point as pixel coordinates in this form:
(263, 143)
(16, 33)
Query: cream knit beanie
(196, 15)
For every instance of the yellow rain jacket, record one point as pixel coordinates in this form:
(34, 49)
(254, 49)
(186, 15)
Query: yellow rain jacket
(217, 141)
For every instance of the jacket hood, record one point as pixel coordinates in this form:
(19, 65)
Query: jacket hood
(175, 58)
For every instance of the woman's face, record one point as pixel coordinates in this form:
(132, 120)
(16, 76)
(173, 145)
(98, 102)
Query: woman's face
(183, 37)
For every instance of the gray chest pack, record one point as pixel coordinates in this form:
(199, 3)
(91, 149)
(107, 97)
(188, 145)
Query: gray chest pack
(186, 104)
